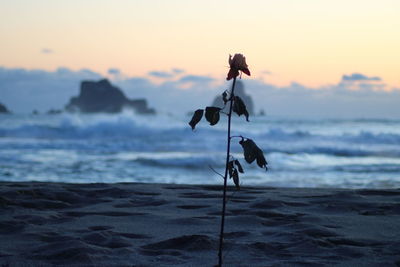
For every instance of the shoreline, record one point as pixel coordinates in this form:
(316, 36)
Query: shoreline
(139, 224)
(214, 186)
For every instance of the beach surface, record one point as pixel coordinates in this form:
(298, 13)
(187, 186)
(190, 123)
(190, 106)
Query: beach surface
(132, 224)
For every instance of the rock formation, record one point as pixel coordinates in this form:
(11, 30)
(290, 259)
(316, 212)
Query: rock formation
(101, 96)
(239, 91)
(3, 109)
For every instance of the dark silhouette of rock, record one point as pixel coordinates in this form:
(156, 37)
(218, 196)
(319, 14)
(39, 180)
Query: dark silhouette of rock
(3, 109)
(239, 91)
(101, 96)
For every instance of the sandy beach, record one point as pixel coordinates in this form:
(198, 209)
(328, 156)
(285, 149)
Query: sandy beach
(46, 224)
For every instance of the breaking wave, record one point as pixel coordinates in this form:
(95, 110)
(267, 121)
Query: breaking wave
(167, 133)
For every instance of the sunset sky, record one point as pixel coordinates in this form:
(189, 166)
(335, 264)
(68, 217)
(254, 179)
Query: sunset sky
(311, 42)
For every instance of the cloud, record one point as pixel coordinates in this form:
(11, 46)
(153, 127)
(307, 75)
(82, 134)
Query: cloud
(196, 79)
(334, 101)
(178, 70)
(294, 100)
(47, 51)
(361, 82)
(266, 72)
(24, 90)
(161, 74)
(166, 74)
(359, 77)
(114, 71)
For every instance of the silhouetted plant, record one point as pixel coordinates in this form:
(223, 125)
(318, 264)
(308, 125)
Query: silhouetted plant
(251, 151)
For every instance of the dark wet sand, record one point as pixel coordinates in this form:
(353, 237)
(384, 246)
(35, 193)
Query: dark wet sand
(46, 224)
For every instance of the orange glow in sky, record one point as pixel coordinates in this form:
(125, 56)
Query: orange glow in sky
(311, 42)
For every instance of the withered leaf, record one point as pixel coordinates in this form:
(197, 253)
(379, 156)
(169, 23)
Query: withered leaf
(224, 97)
(198, 114)
(240, 169)
(212, 115)
(250, 150)
(261, 162)
(236, 178)
(240, 108)
(231, 168)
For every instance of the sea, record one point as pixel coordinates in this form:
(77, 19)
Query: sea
(125, 147)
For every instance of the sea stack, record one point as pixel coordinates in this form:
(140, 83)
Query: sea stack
(3, 109)
(239, 91)
(102, 96)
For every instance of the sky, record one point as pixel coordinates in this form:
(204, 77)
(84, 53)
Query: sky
(292, 44)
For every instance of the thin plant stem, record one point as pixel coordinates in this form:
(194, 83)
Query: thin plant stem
(228, 148)
(209, 166)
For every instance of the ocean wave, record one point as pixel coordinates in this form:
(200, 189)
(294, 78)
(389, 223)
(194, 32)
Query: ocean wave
(69, 126)
(363, 137)
(187, 163)
(334, 150)
(277, 162)
(373, 168)
(127, 131)
(186, 160)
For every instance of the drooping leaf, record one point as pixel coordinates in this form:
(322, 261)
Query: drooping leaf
(240, 108)
(261, 162)
(252, 152)
(235, 176)
(224, 97)
(231, 168)
(249, 150)
(240, 169)
(212, 115)
(246, 114)
(198, 114)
